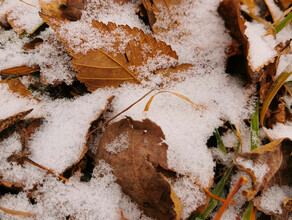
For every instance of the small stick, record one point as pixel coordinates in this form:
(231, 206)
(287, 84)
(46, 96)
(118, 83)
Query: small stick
(42, 167)
(126, 109)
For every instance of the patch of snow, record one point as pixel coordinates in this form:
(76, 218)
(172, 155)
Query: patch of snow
(257, 168)
(272, 199)
(119, 144)
(281, 130)
(191, 195)
(61, 139)
(261, 48)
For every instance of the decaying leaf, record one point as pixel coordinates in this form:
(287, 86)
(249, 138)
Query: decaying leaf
(101, 67)
(20, 70)
(16, 86)
(65, 9)
(152, 11)
(5, 123)
(32, 44)
(135, 149)
(267, 166)
(285, 4)
(229, 10)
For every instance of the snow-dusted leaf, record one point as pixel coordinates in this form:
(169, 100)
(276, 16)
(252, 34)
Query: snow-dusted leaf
(131, 49)
(16, 86)
(267, 166)
(135, 150)
(5, 123)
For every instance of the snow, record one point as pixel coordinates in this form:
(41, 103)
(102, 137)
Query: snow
(259, 169)
(280, 131)
(272, 199)
(191, 199)
(61, 139)
(23, 15)
(119, 144)
(12, 103)
(58, 143)
(261, 48)
(25, 174)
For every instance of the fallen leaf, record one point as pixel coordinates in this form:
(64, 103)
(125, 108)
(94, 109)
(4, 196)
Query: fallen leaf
(269, 166)
(151, 10)
(135, 149)
(32, 44)
(20, 70)
(230, 12)
(65, 9)
(100, 67)
(5, 123)
(285, 4)
(16, 86)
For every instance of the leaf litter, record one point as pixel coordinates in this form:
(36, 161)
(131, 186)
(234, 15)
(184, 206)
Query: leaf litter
(193, 66)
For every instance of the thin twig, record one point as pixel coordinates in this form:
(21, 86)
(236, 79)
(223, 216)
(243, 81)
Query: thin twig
(126, 109)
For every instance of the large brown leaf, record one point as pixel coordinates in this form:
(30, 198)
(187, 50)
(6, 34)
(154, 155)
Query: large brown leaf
(135, 149)
(100, 68)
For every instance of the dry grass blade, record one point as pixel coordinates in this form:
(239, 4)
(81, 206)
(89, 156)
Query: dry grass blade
(176, 94)
(279, 82)
(15, 212)
(242, 180)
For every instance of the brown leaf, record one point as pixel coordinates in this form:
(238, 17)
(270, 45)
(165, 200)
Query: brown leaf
(98, 68)
(5, 123)
(16, 86)
(20, 70)
(285, 4)
(32, 44)
(135, 150)
(150, 10)
(65, 9)
(276, 156)
(230, 12)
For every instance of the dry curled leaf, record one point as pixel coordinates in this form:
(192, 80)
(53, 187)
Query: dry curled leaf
(5, 123)
(272, 162)
(135, 150)
(230, 12)
(100, 67)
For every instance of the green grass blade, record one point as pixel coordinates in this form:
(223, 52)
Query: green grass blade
(254, 128)
(220, 143)
(216, 191)
(248, 212)
(283, 23)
